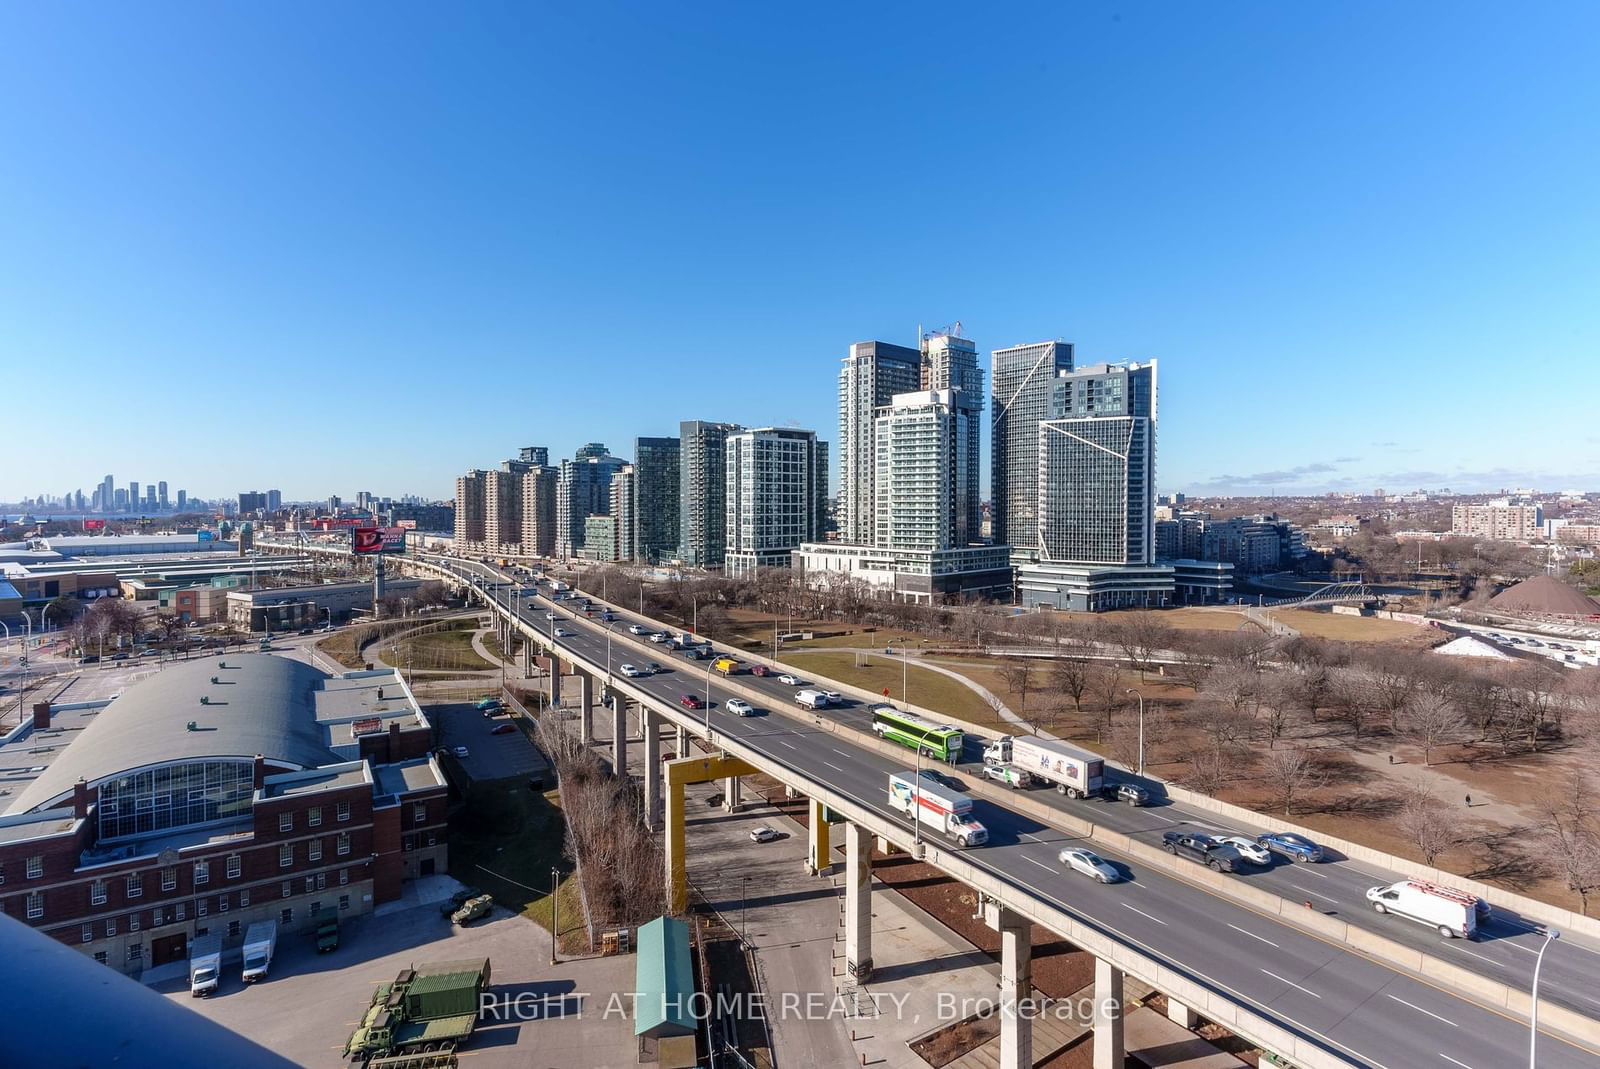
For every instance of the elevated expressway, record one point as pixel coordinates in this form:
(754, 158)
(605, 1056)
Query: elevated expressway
(1313, 998)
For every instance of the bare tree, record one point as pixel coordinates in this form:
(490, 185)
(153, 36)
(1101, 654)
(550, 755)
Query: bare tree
(1124, 735)
(1209, 771)
(1572, 833)
(1018, 674)
(1071, 672)
(1289, 774)
(1141, 636)
(1430, 826)
(1432, 720)
(1278, 702)
(1107, 689)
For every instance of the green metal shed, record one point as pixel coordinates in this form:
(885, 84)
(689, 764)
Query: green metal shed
(664, 980)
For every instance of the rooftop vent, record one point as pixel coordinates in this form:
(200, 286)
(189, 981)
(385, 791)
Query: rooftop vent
(193, 725)
(205, 699)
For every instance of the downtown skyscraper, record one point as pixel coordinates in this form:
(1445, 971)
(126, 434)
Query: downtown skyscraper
(702, 491)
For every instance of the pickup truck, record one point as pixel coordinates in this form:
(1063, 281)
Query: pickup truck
(1009, 775)
(1204, 849)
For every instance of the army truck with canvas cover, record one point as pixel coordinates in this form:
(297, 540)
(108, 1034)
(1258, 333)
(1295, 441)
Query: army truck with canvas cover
(427, 1009)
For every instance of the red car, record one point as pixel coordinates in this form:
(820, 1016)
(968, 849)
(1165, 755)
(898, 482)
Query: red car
(758, 669)
(690, 701)
(503, 729)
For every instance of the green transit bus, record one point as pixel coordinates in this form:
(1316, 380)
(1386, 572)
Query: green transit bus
(939, 741)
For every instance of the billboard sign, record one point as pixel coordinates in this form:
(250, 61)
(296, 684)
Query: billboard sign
(370, 540)
(94, 525)
(206, 536)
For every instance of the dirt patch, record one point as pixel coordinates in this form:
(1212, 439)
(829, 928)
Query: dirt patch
(949, 1043)
(880, 672)
(1355, 628)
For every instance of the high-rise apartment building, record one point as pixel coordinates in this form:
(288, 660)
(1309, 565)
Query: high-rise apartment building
(624, 488)
(471, 498)
(502, 510)
(161, 496)
(108, 494)
(915, 506)
(702, 491)
(133, 495)
(657, 475)
(251, 501)
(119, 499)
(1021, 379)
(150, 497)
(1096, 498)
(274, 499)
(1097, 460)
(183, 500)
(950, 363)
(773, 500)
(539, 509)
(873, 372)
(534, 455)
(1498, 521)
(583, 489)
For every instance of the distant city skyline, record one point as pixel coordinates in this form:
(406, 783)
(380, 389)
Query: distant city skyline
(367, 278)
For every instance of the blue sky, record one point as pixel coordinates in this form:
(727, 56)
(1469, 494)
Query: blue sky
(337, 247)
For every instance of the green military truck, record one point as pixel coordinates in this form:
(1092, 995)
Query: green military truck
(420, 1018)
(328, 933)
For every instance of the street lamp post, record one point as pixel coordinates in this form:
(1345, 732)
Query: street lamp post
(1141, 728)
(744, 903)
(1550, 936)
(709, 663)
(555, 910)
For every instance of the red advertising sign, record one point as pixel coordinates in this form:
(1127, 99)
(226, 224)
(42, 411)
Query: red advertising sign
(94, 525)
(369, 540)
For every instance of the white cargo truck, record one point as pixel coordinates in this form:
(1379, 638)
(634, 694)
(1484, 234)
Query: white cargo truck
(938, 807)
(260, 940)
(205, 965)
(1453, 913)
(1076, 773)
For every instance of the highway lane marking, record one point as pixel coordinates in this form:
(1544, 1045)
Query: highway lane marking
(838, 751)
(1291, 983)
(1041, 864)
(1309, 871)
(1519, 946)
(1447, 1058)
(1481, 957)
(1253, 935)
(833, 766)
(1317, 894)
(1142, 913)
(785, 745)
(1430, 1013)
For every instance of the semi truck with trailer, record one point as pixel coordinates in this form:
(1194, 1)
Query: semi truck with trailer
(205, 965)
(940, 808)
(1075, 773)
(260, 940)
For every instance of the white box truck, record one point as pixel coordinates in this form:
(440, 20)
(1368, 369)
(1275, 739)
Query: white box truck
(1076, 773)
(205, 965)
(937, 807)
(260, 940)
(1454, 913)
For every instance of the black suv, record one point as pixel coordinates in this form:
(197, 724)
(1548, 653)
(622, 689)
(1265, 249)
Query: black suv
(1204, 849)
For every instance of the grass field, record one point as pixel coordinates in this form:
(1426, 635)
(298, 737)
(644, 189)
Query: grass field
(436, 651)
(928, 689)
(505, 840)
(1351, 628)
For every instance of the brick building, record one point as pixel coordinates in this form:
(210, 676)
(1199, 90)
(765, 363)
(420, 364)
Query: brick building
(213, 794)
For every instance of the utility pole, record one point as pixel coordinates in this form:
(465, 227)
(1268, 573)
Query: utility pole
(555, 910)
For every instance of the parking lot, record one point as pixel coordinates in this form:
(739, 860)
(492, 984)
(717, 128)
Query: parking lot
(310, 1003)
(489, 756)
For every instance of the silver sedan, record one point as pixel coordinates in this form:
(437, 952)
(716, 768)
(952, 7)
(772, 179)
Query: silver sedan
(1089, 864)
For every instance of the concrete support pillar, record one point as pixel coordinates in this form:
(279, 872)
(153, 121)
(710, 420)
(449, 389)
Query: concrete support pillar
(585, 700)
(885, 847)
(730, 794)
(555, 682)
(858, 902)
(1110, 1049)
(1016, 988)
(1181, 1015)
(682, 741)
(652, 769)
(527, 660)
(819, 841)
(619, 735)
(789, 793)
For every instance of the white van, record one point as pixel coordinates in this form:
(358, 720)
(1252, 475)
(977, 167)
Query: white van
(811, 699)
(1454, 913)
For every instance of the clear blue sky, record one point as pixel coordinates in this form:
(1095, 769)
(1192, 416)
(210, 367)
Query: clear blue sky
(330, 247)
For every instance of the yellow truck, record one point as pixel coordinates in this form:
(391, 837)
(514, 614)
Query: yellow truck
(726, 665)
